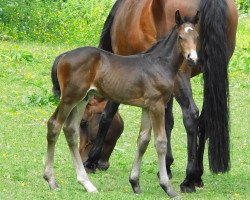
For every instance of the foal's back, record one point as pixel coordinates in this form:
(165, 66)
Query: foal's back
(127, 79)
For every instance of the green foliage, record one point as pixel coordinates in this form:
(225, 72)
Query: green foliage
(59, 21)
(243, 5)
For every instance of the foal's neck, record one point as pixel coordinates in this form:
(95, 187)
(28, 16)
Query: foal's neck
(167, 53)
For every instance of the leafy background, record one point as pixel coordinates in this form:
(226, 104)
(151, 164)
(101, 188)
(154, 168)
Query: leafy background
(33, 33)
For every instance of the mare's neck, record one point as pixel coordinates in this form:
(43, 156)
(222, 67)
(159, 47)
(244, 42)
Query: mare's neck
(167, 53)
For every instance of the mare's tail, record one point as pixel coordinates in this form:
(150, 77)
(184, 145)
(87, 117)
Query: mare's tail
(56, 87)
(105, 40)
(215, 58)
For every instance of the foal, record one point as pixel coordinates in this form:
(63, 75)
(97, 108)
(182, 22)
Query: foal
(145, 80)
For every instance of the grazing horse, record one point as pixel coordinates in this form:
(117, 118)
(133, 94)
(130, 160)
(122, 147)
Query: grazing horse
(132, 26)
(145, 80)
(89, 127)
(90, 124)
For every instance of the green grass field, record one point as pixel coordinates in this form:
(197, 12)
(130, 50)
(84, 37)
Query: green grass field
(26, 102)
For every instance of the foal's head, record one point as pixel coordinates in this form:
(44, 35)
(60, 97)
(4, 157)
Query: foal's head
(187, 37)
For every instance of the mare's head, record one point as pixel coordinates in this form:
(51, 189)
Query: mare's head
(187, 37)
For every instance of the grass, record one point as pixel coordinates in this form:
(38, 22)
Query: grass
(26, 103)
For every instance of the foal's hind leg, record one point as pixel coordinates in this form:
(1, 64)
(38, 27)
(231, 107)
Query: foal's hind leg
(169, 124)
(71, 130)
(142, 143)
(54, 127)
(157, 119)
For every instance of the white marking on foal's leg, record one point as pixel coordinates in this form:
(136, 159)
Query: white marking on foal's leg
(142, 144)
(71, 131)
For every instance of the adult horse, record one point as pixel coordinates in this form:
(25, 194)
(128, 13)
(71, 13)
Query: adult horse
(145, 80)
(89, 127)
(132, 26)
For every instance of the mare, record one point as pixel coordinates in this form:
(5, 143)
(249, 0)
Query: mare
(132, 26)
(145, 80)
(89, 127)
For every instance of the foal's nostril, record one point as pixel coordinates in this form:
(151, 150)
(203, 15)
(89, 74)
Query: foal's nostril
(191, 62)
(189, 56)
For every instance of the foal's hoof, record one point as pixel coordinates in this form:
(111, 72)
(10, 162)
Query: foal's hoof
(170, 191)
(187, 187)
(135, 186)
(52, 183)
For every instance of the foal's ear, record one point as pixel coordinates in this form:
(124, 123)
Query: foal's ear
(195, 19)
(178, 19)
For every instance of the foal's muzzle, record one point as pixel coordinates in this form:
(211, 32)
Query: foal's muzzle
(191, 62)
(192, 58)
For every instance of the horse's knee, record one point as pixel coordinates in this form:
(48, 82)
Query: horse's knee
(53, 129)
(143, 141)
(191, 119)
(71, 133)
(161, 146)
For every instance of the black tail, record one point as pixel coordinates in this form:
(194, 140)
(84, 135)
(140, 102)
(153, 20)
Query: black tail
(215, 58)
(56, 87)
(105, 40)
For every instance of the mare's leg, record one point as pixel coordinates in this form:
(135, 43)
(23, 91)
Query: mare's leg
(54, 127)
(190, 120)
(169, 124)
(113, 135)
(84, 141)
(201, 147)
(106, 119)
(158, 124)
(142, 144)
(71, 131)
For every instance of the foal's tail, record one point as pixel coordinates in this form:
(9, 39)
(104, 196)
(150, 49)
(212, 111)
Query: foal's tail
(56, 87)
(105, 40)
(215, 58)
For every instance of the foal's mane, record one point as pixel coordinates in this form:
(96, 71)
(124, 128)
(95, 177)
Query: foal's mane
(157, 43)
(186, 19)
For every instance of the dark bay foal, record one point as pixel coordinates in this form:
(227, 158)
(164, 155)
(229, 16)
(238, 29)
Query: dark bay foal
(145, 80)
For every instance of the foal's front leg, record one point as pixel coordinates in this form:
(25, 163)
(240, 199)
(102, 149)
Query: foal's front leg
(142, 144)
(157, 119)
(71, 131)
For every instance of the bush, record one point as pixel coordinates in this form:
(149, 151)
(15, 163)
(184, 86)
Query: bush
(58, 21)
(242, 5)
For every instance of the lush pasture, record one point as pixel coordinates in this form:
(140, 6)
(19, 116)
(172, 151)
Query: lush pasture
(26, 103)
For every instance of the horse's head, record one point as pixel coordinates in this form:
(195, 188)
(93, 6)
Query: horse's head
(187, 37)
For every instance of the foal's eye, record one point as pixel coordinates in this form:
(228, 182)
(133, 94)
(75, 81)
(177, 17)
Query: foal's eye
(180, 38)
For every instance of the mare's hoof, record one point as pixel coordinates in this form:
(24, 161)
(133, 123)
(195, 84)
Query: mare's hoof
(187, 187)
(199, 183)
(169, 173)
(102, 165)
